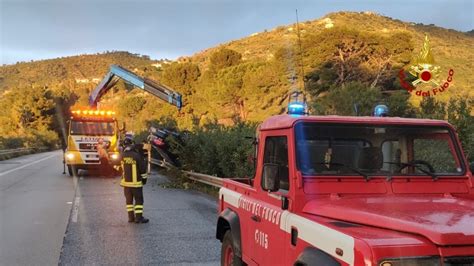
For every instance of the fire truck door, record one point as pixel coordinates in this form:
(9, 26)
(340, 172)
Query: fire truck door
(268, 238)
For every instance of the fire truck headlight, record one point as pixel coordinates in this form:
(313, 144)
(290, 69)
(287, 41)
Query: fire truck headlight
(424, 261)
(70, 156)
(114, 156)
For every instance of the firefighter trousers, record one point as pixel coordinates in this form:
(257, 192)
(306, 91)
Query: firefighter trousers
(105, 168)
(134, 201)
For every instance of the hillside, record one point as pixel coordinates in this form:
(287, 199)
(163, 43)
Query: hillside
(348, 58)
(79, 69)
(452, 49)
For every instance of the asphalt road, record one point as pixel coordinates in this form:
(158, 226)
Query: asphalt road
(48, 218)
(35, 202)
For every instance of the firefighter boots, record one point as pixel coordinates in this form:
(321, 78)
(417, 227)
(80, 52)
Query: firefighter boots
(131, 217)
(140, 219)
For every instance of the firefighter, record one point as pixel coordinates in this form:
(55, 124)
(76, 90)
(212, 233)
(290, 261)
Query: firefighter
(103, 156)
(134, 176)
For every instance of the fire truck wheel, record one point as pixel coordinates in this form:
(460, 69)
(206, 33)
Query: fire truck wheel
(228, 256)
(72, 170)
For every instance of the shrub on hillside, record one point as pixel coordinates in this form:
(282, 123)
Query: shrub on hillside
(42, 139)
(218, 150)
(341, 100)
(458, 112)
(11, 143)
(225, 58)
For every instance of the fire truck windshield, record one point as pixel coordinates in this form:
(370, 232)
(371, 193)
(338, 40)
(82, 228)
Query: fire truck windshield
(93, 128)
(374, 150)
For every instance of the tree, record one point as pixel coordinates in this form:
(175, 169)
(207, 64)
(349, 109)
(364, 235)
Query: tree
(131, 105)
(399, 105)
(459, 115)
(225, 58)
(181, 77)
(345, 55)
(344, 100)
(27, 116)
(321, 80)
(431, 108)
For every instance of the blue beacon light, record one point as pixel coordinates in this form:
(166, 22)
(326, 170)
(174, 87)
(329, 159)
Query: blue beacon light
(297, 105)
(296, 108)
(380, 110)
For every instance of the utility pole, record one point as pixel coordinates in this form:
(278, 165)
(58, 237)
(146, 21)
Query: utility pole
(302, 83)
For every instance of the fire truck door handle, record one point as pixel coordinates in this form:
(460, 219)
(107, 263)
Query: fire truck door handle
(294, 236)
(255, 218)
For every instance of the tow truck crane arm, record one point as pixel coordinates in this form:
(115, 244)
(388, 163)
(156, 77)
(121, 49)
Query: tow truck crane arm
(159, 90)
(116, 72)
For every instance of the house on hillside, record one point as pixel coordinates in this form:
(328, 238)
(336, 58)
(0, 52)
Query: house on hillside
(82, 80)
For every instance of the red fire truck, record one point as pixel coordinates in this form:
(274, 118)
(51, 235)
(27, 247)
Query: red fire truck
(335, 190)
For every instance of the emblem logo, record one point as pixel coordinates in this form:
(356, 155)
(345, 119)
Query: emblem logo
(424, 74)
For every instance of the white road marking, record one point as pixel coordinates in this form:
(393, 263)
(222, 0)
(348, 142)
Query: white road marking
(75, 210)
(28, 164)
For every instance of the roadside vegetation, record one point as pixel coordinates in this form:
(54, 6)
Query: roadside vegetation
(224, 151)
(349, 60)
(227, 151)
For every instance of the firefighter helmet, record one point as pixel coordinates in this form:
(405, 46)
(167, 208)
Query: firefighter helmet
(128, 141)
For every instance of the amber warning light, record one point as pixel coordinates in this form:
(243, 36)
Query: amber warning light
(93, 112)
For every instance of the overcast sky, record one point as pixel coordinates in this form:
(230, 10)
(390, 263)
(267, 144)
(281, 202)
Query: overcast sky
(36, 29)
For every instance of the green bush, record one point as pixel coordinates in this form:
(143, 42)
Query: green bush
(218, 150)
(11, 142)
(341, 100)
(225, 58)
(42, 139)
(181, 77)
(458, 112)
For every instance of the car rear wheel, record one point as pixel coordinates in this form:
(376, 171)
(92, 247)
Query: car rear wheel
(228, 255)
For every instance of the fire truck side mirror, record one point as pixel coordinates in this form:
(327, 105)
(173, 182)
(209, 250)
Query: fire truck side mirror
(271, 177)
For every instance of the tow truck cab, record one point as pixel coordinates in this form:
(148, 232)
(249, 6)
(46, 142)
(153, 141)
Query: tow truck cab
(333, 190)
(86, 127)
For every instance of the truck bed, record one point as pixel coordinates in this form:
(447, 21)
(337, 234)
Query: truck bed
(240, 185)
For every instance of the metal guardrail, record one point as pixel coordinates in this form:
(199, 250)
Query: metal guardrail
(198, 177)
(205, 179)
(20, 150)
(13, 151)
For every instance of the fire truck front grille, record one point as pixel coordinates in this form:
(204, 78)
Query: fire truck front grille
(92, 161)
(87, 147)
(459, 261)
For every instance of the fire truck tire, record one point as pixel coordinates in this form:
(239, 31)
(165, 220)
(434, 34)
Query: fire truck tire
(229, 220)
(228, 255)
(316, 257)
(72, 170)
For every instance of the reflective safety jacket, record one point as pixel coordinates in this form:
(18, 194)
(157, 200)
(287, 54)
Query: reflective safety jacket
(133, 168)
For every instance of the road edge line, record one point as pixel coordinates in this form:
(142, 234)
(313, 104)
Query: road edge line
(28, 164)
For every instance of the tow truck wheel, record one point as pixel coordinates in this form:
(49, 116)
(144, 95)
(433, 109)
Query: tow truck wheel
(72, 170)
(228, 256)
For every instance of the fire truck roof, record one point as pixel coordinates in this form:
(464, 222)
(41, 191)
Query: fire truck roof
(287, 121)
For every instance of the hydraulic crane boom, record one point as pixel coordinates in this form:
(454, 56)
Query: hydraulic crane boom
(159, 90)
